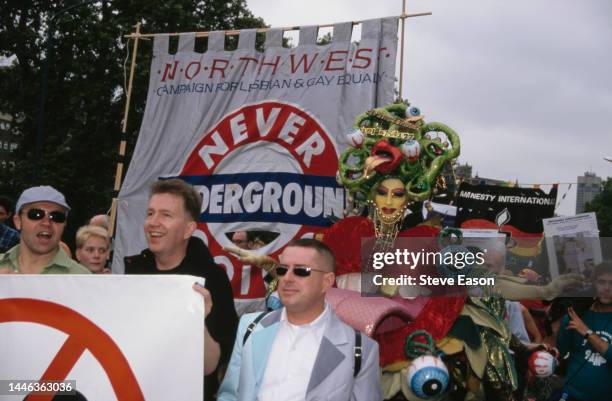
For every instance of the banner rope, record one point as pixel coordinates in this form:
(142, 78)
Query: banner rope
(125, 61)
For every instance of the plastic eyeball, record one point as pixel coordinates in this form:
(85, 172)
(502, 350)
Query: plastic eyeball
(411, 149)
(355, 138)
(414, 111)
(427, 377)
(542, 364)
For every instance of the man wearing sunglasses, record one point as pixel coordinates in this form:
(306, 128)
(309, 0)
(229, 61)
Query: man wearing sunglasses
(302, 351)
(40, 216)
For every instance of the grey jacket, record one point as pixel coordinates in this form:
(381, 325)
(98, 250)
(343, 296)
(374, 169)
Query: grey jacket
(331, 378)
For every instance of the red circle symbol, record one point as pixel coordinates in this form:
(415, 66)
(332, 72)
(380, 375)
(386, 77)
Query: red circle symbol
(283, 133)
(83, 335)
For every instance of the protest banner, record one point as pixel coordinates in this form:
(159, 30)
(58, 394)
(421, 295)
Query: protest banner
(257, 133)
(516, 212)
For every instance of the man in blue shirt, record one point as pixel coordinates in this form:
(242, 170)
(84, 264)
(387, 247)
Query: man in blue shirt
(8, 236)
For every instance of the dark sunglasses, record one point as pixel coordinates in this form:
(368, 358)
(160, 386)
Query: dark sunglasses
(300, 271)
(39, 214)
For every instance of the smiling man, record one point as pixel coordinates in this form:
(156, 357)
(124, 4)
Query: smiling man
(172, 215)
(41, 214)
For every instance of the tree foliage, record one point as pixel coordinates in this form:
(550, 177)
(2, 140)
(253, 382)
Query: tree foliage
(85, 100)
(602, 206)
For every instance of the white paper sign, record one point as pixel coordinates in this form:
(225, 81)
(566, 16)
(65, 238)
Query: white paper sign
(573, 243)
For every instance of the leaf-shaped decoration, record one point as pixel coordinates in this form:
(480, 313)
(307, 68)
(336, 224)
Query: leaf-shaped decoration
(502, 217)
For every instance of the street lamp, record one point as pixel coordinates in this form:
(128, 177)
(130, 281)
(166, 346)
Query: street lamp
(608, 159)
(44, 84)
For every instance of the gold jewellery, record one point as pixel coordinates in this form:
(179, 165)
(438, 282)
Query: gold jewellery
(386, 226)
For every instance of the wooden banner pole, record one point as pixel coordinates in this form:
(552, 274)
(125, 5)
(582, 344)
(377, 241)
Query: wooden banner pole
(123, 143)
(402, 39)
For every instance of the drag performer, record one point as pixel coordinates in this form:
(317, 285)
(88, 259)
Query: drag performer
(394, 164)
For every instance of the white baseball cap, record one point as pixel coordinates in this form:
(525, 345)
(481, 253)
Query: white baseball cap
(43, 193)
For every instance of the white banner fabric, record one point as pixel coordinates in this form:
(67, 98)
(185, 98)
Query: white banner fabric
(258, 134)
(119, 337)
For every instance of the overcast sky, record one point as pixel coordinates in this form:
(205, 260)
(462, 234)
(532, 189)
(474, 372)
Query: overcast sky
(527, 85)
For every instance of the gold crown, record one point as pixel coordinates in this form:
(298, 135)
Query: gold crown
(375, 131)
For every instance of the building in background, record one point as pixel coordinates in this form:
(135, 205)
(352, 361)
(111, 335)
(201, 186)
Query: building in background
(589, 185)
(463, 171)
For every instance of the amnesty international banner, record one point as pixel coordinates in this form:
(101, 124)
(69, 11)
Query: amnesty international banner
(258, 134)
(516, 212)
(109, 337)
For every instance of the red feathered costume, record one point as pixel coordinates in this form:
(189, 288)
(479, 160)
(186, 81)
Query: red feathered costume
(437, 315)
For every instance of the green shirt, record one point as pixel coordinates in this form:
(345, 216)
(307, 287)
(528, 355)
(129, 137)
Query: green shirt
(60, 264)
(588, 372)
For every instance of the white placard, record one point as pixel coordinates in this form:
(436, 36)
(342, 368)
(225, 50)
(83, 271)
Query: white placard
(119, 337)
(572, 243)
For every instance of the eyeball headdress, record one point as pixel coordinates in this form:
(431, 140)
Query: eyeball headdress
(394, 141)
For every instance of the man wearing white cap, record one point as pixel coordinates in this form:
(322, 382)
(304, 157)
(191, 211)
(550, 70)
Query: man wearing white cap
(40, 215)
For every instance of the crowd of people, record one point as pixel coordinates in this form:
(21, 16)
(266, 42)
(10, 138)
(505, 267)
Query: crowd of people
(302, 350)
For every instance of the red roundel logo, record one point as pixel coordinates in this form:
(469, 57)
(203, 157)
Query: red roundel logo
(265, 167)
